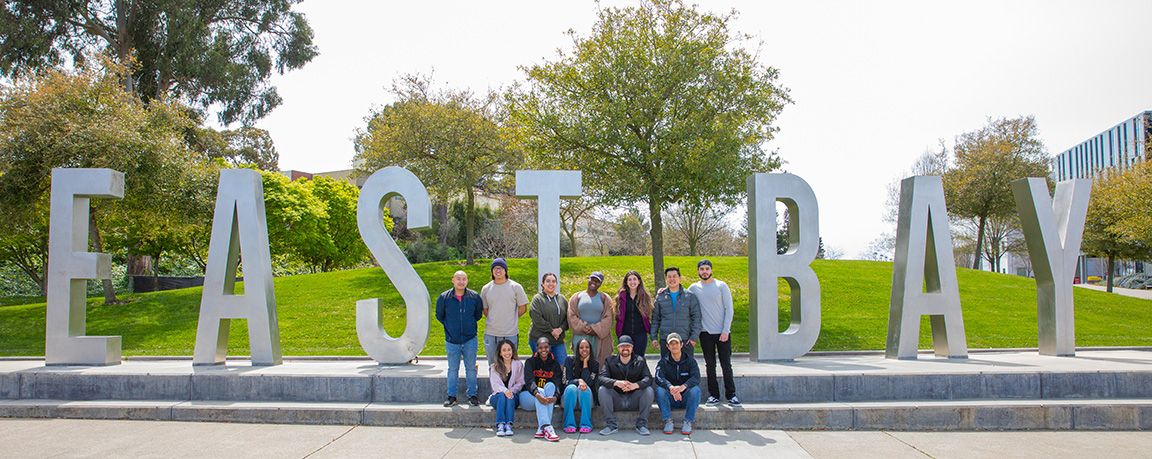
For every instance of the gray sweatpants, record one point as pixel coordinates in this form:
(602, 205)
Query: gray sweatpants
(638, 400)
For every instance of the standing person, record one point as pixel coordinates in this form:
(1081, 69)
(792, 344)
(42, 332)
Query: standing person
(459, 309)
(504, 303)
(677, 385)
(582, 371)
(506, 377)
(676, 310)
(716, 324)
(625, 385)
(590, 317)
(543, 377)
(634, 310)
(549, 314)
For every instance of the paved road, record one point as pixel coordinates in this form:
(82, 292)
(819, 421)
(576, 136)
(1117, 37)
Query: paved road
(88, 438)
(1143, 294)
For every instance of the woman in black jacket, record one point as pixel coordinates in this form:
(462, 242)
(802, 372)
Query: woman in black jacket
(581, 390)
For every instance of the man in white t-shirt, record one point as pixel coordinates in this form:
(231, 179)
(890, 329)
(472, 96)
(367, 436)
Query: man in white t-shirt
(716, 323)
(504, 303)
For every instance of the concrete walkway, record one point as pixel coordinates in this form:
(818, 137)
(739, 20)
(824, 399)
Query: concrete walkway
(1142, 294)
(87, 438)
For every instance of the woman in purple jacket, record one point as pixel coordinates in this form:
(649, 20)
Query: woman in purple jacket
(506, 376)
(635, 308)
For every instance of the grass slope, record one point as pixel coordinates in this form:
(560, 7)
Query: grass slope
(317, 311)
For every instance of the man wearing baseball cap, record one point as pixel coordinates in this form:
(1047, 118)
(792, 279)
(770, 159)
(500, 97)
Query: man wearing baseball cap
(677, 385)
(625, 385)
(716, 323)
(504, 303)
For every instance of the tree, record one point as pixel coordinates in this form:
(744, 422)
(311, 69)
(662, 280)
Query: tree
(452, 140)
(1103, 230)
(661, 104)
(212, 54)
(237, 148)
(571, 212)
(631, 231)
(82, 118)
(314, 221)
(697, 225)
(340, 200)
(987, 160)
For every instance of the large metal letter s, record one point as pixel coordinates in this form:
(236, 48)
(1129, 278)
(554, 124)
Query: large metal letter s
(381, 186)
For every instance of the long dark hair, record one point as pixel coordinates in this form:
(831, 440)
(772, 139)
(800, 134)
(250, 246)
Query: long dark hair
(576, 351)
(499, 362)
(643, 300)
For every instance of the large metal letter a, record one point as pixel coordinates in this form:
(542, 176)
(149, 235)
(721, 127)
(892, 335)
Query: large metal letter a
(1053, 230)
(765, 266)
(924, 274)
(70, 263)
(239, 227)
(381, 186)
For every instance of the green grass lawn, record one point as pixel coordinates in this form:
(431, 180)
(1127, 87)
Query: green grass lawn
(318, 311)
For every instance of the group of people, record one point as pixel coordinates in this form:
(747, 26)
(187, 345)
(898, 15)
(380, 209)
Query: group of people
(674, 321)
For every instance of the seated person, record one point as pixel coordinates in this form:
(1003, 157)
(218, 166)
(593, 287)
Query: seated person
(506, 377)
(582, 371)
(543, 377)
(625, 385)
(677, 385)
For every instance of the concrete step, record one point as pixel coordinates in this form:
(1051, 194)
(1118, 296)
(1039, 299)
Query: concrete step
(1085, 414)
(825, 379)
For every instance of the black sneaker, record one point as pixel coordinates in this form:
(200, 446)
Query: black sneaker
(473, 401)
(733, 401)
(712, 401)
(450, 402)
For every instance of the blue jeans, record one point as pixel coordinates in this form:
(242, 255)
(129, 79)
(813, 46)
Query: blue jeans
(689, 400)
(559, 352)
(543, 412)
(505, 407)
(573, 397)
(455, 352)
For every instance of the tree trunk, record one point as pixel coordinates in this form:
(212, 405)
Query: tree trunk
(469, 222)
(572, 238)
(979, 242)
(657, 240)
(124, 44)
(442, 216)
(1111, 267)
(97, 246)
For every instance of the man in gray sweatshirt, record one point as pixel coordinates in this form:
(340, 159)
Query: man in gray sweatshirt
(716, 320)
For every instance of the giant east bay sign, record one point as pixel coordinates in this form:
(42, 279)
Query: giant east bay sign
(923, 277)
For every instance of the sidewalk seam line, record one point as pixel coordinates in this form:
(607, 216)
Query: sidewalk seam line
(918, 450)
(331, 441)
(454, 445)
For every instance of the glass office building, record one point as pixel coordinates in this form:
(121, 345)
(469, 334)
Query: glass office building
(1121, 146)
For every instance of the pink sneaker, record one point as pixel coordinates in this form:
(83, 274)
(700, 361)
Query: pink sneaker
(569, 430)
(585, 430)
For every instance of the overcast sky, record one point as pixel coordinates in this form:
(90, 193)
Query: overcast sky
(874, 83)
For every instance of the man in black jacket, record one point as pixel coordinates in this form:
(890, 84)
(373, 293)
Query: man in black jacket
(677, 385)
(625, 385)
(543, 380)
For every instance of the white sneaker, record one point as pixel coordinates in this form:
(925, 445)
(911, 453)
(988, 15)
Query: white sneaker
(550, 434)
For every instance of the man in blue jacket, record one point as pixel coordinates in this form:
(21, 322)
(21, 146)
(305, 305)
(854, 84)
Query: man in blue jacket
(459, 309)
